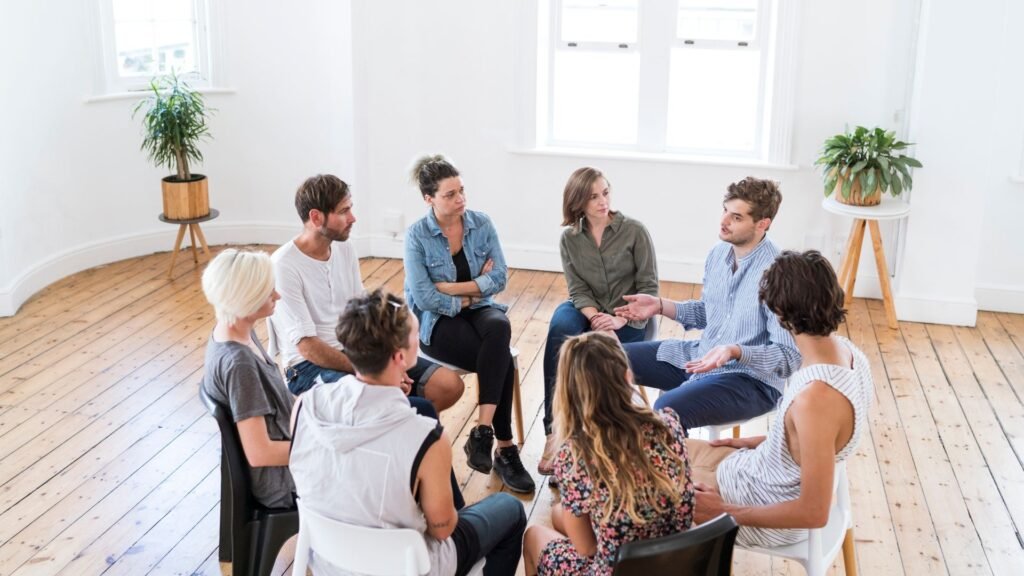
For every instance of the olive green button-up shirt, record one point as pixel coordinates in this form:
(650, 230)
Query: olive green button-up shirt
(624, 264)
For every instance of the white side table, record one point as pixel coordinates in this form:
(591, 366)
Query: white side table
(868, 216)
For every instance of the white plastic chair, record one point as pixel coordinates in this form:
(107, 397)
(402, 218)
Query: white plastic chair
(517, 401)
(823, 544)
(371, 551)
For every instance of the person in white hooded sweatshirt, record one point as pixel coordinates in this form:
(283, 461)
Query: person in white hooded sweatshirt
(361, 454)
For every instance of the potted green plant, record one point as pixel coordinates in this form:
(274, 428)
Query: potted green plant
(173, 126)
(860, 165)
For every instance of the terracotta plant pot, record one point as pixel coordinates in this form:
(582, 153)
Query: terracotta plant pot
(185, 200)
(856, 198)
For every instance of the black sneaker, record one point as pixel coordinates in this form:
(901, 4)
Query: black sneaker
(508, 465)
(478, 449)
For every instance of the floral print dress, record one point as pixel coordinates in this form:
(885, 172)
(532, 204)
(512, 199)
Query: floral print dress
(580, 496)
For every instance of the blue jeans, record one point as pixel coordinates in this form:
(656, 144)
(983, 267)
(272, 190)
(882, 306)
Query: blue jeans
(567, 321)
(492, 528)
(716, 399)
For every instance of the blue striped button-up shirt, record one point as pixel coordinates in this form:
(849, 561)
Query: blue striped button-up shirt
(730, 312)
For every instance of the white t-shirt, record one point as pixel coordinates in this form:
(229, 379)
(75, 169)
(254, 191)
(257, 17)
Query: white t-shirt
(313, 295)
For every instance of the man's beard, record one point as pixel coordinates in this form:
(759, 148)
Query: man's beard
(335, 236)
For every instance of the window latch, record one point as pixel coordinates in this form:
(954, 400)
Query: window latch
(742, 44)
(623, 45)
(690, 42)
(572, 44)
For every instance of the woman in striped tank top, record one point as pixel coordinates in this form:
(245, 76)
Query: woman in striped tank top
(776, 487)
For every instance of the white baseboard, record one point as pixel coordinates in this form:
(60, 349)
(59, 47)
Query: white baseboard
(86, 256)
(911, 308)
(1000, 298)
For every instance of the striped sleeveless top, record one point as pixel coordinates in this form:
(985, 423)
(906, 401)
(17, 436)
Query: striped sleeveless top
(767, 474)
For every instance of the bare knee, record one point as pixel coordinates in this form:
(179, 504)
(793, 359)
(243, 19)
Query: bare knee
(534, 542)
(444, 388)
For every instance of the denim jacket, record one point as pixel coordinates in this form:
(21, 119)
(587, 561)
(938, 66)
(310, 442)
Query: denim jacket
(428, 260)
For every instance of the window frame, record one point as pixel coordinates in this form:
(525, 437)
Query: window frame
(206, 34)
(656, 40)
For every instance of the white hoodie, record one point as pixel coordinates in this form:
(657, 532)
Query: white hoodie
(352, 456)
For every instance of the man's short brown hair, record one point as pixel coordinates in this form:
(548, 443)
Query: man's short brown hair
(803, 291)
(322, 192)
(762, 195)
(372, 328)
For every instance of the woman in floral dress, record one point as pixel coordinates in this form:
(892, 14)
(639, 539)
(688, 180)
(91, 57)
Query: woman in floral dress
(622, 470)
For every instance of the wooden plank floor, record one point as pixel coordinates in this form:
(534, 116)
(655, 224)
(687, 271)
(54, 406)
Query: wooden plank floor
(109, 463)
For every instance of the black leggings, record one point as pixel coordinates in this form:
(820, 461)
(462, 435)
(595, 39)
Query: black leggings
(477, 340)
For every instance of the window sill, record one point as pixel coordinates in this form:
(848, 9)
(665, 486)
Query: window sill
(667, 158)
(136, 94)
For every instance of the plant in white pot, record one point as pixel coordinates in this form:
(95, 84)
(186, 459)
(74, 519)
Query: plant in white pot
(860, 165)
(173, 126)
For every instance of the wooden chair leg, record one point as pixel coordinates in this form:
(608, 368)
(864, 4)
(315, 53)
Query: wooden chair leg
(643, 394)
(177, 247)
(849, 556)
(735, 431)
(517, 403)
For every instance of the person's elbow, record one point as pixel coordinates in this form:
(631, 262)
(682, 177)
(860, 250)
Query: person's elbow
(816, 515)
(440, 533)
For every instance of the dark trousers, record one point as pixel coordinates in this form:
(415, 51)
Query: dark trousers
(492, 528)
(709, 400)
(477, 340)
(566, 322)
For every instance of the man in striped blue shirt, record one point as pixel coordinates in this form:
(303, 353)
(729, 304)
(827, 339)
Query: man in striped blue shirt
(737, 370)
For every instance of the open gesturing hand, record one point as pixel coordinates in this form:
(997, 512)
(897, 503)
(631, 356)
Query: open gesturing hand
(639, 307)
(715, 358)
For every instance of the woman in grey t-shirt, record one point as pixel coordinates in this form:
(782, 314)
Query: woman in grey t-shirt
(242, 377)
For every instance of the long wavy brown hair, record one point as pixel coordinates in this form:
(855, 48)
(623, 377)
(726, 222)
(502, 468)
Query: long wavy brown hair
(596, 413)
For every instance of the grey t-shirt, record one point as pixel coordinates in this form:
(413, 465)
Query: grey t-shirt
(252, 386)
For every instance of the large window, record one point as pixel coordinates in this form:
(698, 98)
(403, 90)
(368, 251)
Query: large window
(146, 38)
(688, 77)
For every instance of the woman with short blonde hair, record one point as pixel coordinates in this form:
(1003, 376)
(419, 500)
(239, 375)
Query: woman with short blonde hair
(242, 377)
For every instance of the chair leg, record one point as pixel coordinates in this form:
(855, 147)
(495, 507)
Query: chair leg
(224, 550)
(274, 532)
(517, 403)
(849, 556)
(735, 431)
(643, 394)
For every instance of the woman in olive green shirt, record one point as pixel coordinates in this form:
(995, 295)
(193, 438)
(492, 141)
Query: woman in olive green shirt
(605, 254)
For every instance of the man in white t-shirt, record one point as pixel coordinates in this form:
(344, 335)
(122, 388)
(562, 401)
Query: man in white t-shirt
(316, 274)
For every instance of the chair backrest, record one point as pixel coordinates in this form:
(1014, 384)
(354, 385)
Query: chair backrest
(702, 551)
(372, 551)
(243, 504)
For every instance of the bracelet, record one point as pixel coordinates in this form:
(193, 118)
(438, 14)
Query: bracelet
(662, 302)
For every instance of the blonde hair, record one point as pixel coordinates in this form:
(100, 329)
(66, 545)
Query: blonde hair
(605, 429)
(237, 283)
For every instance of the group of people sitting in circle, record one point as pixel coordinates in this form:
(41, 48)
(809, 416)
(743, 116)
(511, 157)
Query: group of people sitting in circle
(352, 428)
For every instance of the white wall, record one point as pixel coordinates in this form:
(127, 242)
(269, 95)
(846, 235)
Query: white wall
(362, 88)
(441, 77)
(77, 192)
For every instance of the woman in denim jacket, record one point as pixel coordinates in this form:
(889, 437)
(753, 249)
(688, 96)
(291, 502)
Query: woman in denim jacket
(453, 267)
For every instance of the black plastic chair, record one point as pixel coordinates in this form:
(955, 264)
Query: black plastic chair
(251, 535)
(702, 551)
